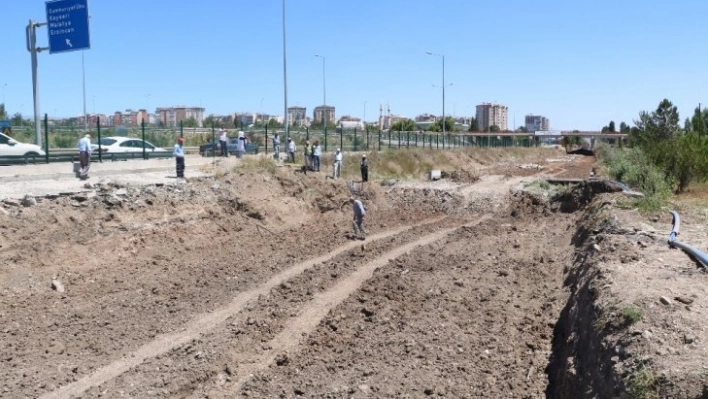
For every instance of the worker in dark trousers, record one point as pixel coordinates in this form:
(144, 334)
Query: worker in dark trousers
(364, 166)
(358, 222)
(178, 153)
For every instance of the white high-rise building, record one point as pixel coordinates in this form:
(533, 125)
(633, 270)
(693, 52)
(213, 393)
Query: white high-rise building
(536, 122)
(489, 115)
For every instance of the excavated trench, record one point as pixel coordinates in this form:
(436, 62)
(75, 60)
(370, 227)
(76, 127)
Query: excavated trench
(489, 296)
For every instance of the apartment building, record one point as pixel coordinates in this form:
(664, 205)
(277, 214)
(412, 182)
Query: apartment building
(172, 116)
(297, 116)
(324, 111)
(489, 114)
(536, 123)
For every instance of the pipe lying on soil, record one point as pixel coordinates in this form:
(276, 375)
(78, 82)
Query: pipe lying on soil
(697, 254)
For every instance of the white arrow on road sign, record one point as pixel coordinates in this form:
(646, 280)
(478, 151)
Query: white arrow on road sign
(68, 43)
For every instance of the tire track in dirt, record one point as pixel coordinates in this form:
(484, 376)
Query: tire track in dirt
(288, 339)
(208, 321)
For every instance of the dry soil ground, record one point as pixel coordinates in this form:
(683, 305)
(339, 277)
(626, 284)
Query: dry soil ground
(247, 285)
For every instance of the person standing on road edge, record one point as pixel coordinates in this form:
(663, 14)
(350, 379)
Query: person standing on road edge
(241, 145)
(316, 156)
(364, 166)
(223, 141)
(337, 165)
(308, 155)
(291, 150)
(84, 156)
(358, 222)
(178, 153)
(276, 146)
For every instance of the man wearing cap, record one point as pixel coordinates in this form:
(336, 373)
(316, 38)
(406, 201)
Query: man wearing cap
(358, 222)
(337, 172)
(364, 166)
(178, 153)
(84, 156)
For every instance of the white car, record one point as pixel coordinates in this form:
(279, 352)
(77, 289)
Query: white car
(12, 147)
(124, 144)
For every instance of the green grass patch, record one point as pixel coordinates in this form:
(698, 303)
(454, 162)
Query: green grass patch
(632, 314)
(267, 164)
(642, 385)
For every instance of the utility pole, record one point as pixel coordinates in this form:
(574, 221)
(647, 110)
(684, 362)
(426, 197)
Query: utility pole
(31, 32)
(285, 81)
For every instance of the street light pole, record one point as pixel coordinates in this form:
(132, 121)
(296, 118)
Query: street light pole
(285, 80)
(83, 78)
(364, 114)
(443, 88)
(324, 93)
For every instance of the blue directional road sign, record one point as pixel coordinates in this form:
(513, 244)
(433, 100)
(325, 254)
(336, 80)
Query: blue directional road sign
(68, 25)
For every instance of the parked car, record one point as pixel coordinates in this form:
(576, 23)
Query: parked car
(12, 147)
(124, 144)
(207, 150)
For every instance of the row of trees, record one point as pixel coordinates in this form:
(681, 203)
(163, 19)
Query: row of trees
(681, 152)
(409, 125)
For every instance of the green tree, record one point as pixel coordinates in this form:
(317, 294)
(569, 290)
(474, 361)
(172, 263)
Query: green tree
(449, 124)
(17, 119)
(610, 128)
(209, 121)
(624, 128)
(274, 124)
(3, 113)
(474, 126)
(665, 120)
(404, 125)
(494, 128)
(687, 127)
(522, 129)
(698, 122)
(190, 122)
(317, 125)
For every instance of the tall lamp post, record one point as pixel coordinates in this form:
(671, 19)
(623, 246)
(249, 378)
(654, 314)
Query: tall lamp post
(324, 95)
(261, 111)
(285, 81)
(443, 88)
(364, 114)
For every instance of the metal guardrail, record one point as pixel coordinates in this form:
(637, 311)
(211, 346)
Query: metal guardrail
(69, 151)
(74, 157)
(696, 253)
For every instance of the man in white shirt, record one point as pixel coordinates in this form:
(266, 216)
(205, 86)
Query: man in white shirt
(223, 141)
(276, 146)
(337, 172)
(291, 150)
(84, 156)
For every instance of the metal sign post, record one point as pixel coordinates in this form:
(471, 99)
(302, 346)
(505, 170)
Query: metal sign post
(31, 33)
(68, 30)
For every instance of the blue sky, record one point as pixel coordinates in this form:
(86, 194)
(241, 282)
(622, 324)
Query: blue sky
(580, 63)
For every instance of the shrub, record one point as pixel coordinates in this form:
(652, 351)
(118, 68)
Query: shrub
(632, 314)
(634, 168)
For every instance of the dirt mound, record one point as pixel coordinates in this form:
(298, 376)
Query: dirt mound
(461, 176)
